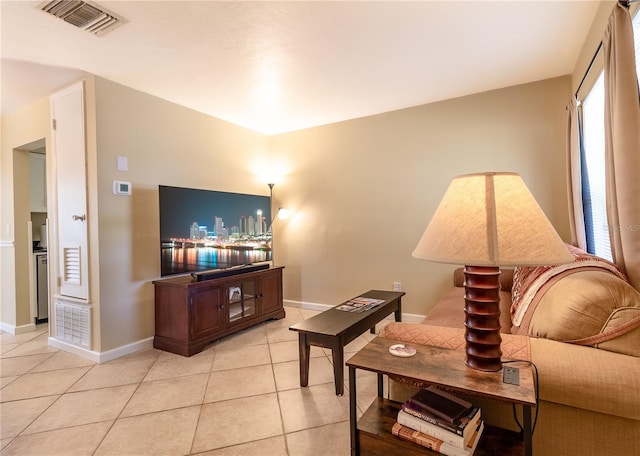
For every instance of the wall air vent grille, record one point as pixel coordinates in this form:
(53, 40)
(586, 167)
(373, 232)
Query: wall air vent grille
(73, 323)
(86, 16)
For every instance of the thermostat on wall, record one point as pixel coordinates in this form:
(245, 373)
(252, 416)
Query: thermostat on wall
(121, 188)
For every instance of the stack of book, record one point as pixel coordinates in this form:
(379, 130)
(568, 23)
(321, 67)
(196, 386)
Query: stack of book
(440, 421)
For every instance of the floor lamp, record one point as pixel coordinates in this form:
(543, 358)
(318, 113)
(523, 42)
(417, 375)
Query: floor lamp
(281, 214)
(483, 222)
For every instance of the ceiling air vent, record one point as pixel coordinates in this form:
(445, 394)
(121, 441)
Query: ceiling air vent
(85, 16)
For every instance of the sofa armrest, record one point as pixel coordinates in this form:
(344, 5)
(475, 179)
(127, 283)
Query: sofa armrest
(587, 378)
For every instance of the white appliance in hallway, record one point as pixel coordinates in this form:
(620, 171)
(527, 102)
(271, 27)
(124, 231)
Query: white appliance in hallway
(42, 298)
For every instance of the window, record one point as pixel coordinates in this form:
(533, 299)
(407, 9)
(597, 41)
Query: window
(593, 177)
(593, 188)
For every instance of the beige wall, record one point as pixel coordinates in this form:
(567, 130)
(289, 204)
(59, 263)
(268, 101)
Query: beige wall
(165, 144)
(19, 129)
(363, 191)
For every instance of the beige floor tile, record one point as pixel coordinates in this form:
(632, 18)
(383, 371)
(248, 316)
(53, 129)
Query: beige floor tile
(277, 334)
(227, 423)
(17, 415)
(274, 446)
(183, 405)
(74, 441)
(4, 381)
(313, 406)
(163, 433)
(170, 365)
(292, 317)
(167, 394)
(7, 338)
(288, 351)
(42, 384)
(256, 335)
(367, 389)
(330, 440)
(21, 364)
(243, 382)
(61, 360)
(4, 443)
(288, 374)
(6, 348)
(358, 343)
(150, 353)
(113, 374)
(241, 356)
(84, 407)
(37, 345)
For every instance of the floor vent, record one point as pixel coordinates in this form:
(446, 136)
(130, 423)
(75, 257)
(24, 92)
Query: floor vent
(73, 323)
(86, 16)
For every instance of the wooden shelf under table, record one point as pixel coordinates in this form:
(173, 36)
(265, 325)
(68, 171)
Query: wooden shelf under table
(374, 434)
(371, 434)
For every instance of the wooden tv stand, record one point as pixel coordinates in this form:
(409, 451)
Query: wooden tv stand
(190, 314)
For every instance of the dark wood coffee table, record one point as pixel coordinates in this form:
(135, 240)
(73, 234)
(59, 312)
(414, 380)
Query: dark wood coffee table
(335, 328)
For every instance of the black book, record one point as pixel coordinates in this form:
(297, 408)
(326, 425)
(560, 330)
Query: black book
(440, 403)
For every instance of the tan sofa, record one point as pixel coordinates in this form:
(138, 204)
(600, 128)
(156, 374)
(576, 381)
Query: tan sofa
(589, 395)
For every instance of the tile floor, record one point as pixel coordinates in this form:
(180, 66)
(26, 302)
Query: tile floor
(240, 396)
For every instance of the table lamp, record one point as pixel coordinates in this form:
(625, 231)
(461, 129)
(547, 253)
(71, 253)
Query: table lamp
(485, 221)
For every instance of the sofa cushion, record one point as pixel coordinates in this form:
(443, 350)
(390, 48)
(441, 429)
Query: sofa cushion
(585, 378)
(627, 342)
(621, 333)
(529, 284)
(587, 304)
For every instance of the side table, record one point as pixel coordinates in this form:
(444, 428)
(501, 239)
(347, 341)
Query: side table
(440, 367)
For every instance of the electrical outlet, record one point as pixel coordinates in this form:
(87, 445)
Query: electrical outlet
(511, 375)
(397, 286)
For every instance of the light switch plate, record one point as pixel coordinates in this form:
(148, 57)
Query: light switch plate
(122, 164)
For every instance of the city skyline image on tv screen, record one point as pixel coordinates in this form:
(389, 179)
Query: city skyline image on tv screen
(203, 230)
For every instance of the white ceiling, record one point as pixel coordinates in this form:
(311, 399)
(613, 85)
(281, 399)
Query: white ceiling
(282, 66)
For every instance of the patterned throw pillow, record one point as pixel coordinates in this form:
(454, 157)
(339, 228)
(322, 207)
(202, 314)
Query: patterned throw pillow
(527, 281)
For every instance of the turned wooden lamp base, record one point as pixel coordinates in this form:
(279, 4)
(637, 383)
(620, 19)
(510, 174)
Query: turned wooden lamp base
(482, 318)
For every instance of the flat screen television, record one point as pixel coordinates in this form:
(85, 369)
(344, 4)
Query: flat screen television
(207, 232)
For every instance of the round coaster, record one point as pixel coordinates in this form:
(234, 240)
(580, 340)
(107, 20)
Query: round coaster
(404, 351)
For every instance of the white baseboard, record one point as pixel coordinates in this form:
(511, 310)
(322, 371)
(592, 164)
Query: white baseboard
(74, 349)
(17, 329)
(408, 318)
(128, 349)
(307, 305)
(102, 357)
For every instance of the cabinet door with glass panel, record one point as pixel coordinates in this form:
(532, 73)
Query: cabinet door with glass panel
(242, 300)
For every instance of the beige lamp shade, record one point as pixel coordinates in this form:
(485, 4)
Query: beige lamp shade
(491, 219)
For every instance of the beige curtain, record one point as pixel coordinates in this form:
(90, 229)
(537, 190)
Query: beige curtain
(622, 143)
(574, 177)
